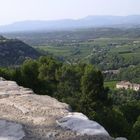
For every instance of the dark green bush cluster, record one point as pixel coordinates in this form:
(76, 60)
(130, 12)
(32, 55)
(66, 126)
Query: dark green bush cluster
(81, 86)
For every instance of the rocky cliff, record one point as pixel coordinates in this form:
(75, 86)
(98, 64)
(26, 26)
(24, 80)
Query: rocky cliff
(27, 116)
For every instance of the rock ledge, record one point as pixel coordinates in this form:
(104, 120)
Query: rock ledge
(35, 117)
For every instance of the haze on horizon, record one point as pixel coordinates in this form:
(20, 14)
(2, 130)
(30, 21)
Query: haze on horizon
(19, 10)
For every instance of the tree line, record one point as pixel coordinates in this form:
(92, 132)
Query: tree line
(81, 86)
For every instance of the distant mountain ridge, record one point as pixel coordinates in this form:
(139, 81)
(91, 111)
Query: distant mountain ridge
(14, 52)
(87, 22)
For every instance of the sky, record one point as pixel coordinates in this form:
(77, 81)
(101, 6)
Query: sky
(20, 10)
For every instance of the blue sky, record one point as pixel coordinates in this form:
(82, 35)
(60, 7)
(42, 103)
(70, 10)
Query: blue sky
(18, 10)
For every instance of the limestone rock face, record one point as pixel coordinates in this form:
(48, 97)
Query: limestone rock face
(27, 116)
(10, 131)
(120, 138)
(81, 124)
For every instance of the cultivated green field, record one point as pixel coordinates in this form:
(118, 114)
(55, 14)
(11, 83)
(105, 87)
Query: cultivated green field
(110, 84)
(99, 49)
(69, 51)
(106, 48)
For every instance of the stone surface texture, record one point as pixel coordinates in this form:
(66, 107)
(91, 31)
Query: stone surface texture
(81, 124)
(27, 116)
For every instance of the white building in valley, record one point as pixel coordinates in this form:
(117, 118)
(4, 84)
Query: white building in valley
(127, 85)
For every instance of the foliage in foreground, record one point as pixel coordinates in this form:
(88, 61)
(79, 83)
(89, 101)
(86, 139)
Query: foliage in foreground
(82, 87)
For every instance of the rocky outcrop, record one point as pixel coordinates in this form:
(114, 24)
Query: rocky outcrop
(79, 123)
(120, 138)
(11, 131)
(27, 116)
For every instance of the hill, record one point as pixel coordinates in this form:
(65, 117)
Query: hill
(87, 22)
(14, 52)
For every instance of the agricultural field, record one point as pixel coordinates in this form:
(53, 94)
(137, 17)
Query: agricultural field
(110, 84)
(105, 48)
(99, 52)
(80, 51)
